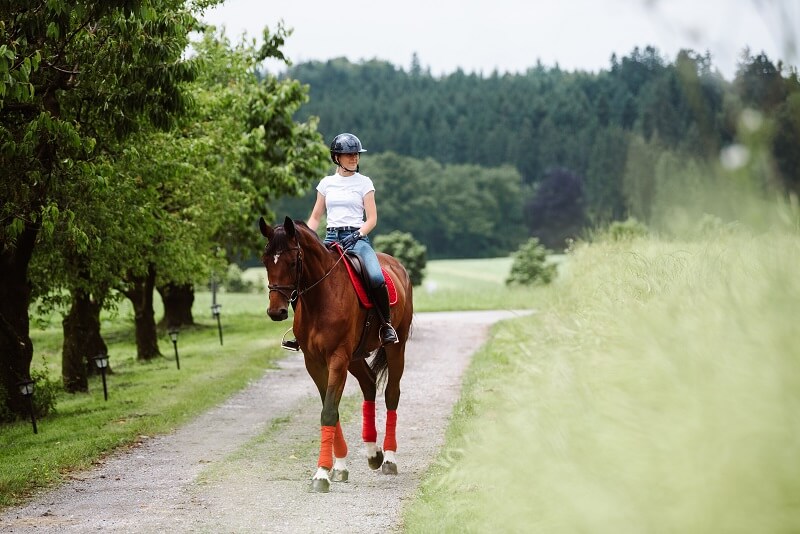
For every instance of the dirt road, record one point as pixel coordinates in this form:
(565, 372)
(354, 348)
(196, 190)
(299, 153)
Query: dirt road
(246, 465)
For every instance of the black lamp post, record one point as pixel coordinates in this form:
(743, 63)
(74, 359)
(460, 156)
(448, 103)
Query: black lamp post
(26, 388)
(173, 335)
(215, 312)
(214, 306)
(101, 361)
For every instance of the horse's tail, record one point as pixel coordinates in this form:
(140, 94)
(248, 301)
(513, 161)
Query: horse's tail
(379, 366)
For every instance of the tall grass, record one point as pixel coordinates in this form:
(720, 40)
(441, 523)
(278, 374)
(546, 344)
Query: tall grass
(657, 390)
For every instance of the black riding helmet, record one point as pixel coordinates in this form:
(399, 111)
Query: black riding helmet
(345, 143)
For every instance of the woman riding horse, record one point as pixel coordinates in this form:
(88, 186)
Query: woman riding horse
(346, 196)
(330, 324)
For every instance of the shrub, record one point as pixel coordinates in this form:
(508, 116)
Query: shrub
(626, 230)
(235, 282)
(530, 265)
(410, 252)
(44, 396)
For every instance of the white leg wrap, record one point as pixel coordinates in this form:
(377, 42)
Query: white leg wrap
(340, 464)
(372, 449)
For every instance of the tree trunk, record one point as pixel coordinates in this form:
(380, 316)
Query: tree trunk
(82, 342)
(16, 348)
(178, 301)
(141, 296)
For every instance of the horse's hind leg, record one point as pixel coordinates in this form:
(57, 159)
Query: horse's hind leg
(369, 432)
(396, 361)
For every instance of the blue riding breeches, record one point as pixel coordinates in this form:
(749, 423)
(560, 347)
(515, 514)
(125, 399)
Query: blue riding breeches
(362, 249)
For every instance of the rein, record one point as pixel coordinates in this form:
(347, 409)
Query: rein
(296, 292)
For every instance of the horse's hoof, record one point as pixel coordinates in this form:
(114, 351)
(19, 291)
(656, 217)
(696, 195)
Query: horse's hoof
(340, 475)
(389, 468)
(375, 461)
(320, 485)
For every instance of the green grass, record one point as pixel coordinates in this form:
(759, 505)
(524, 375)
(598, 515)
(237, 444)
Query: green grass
(155, 397)
(144, 398)
(657, 390)
(470, 285)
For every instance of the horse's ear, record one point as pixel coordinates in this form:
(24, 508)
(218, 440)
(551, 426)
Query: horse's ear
(288, 225)
(266, 230)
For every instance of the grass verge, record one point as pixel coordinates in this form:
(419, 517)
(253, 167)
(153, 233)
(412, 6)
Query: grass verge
(144, 398)
(657, 390)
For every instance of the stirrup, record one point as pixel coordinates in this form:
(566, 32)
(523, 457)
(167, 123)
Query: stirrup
(388, 335)
(290, 344)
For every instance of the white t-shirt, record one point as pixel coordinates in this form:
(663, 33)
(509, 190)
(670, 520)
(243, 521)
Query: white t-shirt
(344, 198)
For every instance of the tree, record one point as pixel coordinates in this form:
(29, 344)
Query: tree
(74, 82)
(556, 214)
(786, 142)
(530, 266)
(759, 82)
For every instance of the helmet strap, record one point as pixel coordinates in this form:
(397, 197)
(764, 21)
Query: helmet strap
(339, 163)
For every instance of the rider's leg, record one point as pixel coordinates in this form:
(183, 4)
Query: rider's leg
(380, 298)
(378, 292)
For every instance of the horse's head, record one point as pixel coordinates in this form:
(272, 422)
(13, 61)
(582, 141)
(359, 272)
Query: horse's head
(283, 259)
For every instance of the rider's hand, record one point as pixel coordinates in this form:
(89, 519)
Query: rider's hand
(349, 241)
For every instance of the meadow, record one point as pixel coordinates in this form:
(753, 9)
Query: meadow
(657, 389)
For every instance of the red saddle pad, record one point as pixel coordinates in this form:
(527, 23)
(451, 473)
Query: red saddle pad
(358, 285)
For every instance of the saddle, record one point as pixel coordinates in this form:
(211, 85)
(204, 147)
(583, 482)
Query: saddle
(357, 274)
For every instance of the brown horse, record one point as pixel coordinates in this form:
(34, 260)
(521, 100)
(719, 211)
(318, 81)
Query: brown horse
(329, 323)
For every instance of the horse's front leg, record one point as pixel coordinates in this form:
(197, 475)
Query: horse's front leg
(332, 442)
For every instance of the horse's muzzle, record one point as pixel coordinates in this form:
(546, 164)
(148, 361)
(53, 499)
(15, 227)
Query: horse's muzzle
(278, 314)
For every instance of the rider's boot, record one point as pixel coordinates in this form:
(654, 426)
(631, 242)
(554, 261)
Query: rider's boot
(380, 298)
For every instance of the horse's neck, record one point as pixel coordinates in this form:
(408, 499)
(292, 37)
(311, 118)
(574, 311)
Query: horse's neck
(326, 270)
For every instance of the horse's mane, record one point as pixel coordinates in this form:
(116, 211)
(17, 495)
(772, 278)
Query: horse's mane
(301, 227)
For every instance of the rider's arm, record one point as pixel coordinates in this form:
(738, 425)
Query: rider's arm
(316, 213)
(372, 213)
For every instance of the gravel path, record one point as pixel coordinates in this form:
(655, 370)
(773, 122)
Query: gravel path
(245, 466)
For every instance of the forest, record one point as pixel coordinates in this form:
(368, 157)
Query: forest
(587, 148)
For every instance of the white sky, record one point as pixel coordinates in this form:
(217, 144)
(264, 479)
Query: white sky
(510, 35)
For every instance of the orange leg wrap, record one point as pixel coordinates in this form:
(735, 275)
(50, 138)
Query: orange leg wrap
(326, 446)
(390, 440)
(339, 444)
(368, 431)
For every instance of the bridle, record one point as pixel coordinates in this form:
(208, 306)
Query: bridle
(294, 289)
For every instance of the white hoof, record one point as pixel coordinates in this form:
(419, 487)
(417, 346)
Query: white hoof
(321, 483)
(389, 466)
